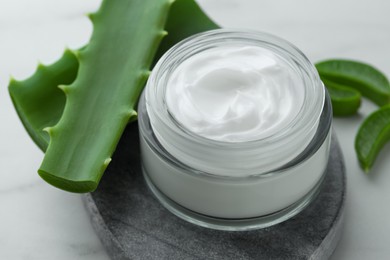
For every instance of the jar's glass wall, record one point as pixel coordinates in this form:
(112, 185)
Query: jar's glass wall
(211, 201)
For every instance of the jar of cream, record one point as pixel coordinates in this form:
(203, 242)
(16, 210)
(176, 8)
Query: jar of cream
(235, 129)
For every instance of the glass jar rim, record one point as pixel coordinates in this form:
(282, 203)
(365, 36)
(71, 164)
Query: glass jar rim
(321, 135)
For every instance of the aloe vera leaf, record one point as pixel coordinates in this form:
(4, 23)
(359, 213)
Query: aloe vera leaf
(369, 81)
(38, 100)
(99, 103)
(345, 101)
(372, 135)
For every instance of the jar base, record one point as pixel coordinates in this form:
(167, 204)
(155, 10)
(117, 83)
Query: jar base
(225, 224)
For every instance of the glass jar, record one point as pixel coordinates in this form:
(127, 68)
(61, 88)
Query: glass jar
(195, 177)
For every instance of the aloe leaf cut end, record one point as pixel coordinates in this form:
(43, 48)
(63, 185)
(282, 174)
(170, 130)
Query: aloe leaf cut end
(76, 186)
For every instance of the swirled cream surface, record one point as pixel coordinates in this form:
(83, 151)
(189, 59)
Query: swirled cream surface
(234, 93)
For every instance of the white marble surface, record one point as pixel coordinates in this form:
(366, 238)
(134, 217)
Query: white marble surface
(41, 222)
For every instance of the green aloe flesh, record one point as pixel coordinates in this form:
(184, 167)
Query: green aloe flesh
(345, 101)
(362, 77)
(373, 134)
(40, 102)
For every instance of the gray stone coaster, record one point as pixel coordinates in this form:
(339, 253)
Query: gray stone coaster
(133, 225)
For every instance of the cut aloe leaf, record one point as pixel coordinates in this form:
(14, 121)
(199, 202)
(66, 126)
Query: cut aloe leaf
(373, 134)
(38, 100)
(366, 79)
(345, 101)
(80, 174)
(99, 103)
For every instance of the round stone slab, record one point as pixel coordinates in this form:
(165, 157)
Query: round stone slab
(132, 224)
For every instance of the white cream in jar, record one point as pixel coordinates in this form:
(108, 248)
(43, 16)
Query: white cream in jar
(234, 93)
(234, 130)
